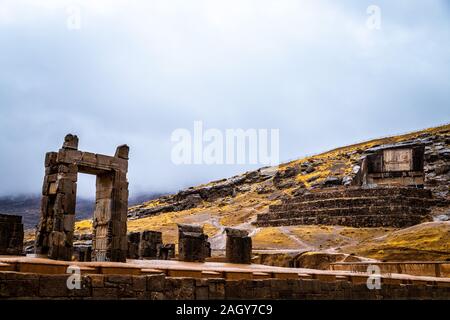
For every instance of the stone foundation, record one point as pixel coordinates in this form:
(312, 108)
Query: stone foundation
(14, 285)
(354, 207)
(11, 235)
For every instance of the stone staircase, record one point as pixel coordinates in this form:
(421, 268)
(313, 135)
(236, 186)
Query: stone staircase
(354, 207)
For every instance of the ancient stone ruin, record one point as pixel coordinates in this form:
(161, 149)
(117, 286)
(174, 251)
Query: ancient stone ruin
(11, 235)
(354, 207)
(387, 192)
(399, 164)
(150, 241)
(134, 240)
(82, 252)
(54, 236)
(144, 245)
(193, 244)
(166, 251)
(238, 246)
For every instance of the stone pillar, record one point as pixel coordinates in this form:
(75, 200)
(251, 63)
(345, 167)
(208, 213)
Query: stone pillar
(238, 246)
(11, 235)
(134, 240)
(150, 240)
(192, 243)
(55, 232)
(166, 251)
(45, 226)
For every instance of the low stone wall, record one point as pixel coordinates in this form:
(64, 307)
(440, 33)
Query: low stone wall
(15, 285)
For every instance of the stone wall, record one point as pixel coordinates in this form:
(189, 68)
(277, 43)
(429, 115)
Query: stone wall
(418, 268)
(11, 234)
(15, 285)
(354, 207)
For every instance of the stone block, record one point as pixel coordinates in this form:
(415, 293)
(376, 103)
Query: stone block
(53, 286)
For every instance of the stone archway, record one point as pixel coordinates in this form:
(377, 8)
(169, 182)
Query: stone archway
(54, 236)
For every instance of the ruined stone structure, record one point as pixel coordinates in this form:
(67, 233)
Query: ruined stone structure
(238, 246)
(17, 285)
(166, 251)
(399, 164)
(144, 245)
(134, 241)
(11, 235)
(54, 236)
(150, 241)
(82, 252)
(354, 207)
(193, 244)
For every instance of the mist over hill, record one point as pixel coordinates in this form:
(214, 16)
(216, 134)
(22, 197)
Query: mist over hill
(28, 206)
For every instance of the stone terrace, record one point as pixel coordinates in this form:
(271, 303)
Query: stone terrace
(354, 207)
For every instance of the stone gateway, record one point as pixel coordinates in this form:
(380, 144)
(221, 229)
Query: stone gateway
(55, 231)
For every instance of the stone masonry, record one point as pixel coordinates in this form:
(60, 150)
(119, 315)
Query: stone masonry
(144, 245)
(193, 244)
(55, 232)
(238, 246)
(353, 207)
(134, 240)
(14, 285)
(400, 164)
(11, 235)
(166, 251)
(150, 241)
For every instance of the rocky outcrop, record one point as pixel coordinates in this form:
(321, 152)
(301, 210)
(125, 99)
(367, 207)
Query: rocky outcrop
(195, 196)
(340, 167)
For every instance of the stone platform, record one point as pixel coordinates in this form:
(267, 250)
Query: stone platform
(37, 278)
(353, 207)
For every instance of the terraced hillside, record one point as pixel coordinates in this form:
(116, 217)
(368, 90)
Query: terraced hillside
(236, 202)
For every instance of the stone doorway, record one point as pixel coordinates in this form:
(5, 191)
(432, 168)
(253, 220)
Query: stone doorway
(54, 236)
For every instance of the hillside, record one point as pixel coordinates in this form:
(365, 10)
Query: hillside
(237, 200)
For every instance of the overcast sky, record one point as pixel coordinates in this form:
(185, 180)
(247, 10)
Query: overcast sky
(137, 70)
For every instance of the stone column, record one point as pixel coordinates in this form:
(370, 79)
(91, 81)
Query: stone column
(45, 225)
(238, 246)
(61, 237)
(55, 231)
(134, 240)
(150, 240)
(192, 243)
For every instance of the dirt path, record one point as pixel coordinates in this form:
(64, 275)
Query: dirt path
(303, 245)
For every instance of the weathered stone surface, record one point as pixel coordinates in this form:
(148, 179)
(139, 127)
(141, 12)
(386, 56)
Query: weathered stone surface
(55, 231)
(15, 285)
(193, 244)
(166, 251)
(238, 246)
(11, 235)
